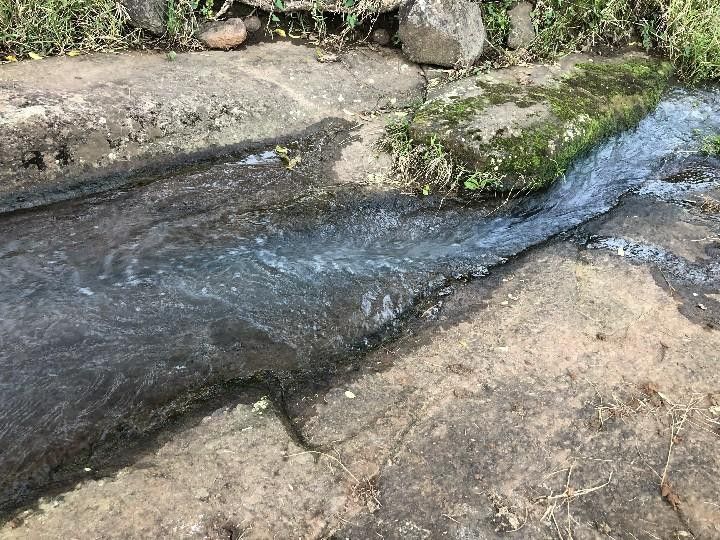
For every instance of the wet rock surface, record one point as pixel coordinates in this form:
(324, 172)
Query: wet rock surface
(80, 125)
(538, 400)
(520, 128)
(475, 424)
(446, 33)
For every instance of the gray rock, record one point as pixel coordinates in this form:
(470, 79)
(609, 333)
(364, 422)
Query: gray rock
(522, 30)
(380, 36)
(223, 34)
(147, 14)
(442, 32)
(252, 23)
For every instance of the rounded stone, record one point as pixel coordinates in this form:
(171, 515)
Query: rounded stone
(522, 30)
(380, 36)
(447, 33)
(252, 23)
(223, 34)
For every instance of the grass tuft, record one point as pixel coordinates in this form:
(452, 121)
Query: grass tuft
(711, 146)
(45, 27)
(686, 31)
(427, 167)
(692, 38)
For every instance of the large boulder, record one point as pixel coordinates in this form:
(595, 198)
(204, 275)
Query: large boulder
(522, 29)
(223, 34)
(445, 33)
(519, 129)
(149, 15)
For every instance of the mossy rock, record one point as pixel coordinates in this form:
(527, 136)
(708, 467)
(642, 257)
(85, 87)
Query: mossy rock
(520, 128)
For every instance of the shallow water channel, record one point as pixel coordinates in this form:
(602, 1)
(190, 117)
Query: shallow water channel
(114, 305)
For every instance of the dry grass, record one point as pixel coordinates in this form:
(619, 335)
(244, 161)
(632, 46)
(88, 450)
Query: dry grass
(427, 167)
(709, 205)
(59, 26)
(565, 499)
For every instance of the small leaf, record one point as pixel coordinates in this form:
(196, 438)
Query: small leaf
(279, 4)
(11, 58)
(281, 150)
(352, 20)
(74, 52)
(274, 18)
(291, 164)
(280, 32)
(349, 3)
(669, 494)
(35, 56)
(471, 184)
(171, 56)
(426, 190)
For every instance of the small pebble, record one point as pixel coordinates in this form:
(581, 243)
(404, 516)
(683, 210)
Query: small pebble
(252, 23)
(349, 394)
(380, 36)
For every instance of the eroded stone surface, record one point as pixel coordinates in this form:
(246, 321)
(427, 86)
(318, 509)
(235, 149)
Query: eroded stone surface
(541, 399)
(147, 14)
(522, 30)
(65, 122)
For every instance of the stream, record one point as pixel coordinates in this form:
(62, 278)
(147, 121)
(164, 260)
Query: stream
(114, 305)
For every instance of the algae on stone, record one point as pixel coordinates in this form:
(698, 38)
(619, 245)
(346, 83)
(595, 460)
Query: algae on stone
(519, 129)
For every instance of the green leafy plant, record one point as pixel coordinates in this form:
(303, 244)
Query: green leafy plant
(205, 10)
(428, 168)
(497, 20)
(711, 145)
(687, 31)
(181, 23)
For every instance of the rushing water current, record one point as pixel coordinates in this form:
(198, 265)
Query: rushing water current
(112, 306)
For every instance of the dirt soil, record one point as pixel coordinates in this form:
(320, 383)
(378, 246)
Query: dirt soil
(574, 393)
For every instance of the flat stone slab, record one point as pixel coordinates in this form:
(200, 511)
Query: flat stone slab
(548, 379)
(67, 122)
(520, 128)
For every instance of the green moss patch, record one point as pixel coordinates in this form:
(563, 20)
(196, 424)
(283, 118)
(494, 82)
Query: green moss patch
(547, 128)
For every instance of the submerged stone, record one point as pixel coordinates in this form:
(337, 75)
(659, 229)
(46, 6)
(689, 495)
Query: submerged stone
(520, 128)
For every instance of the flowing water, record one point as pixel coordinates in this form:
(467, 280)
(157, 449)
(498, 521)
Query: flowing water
(112, 306)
